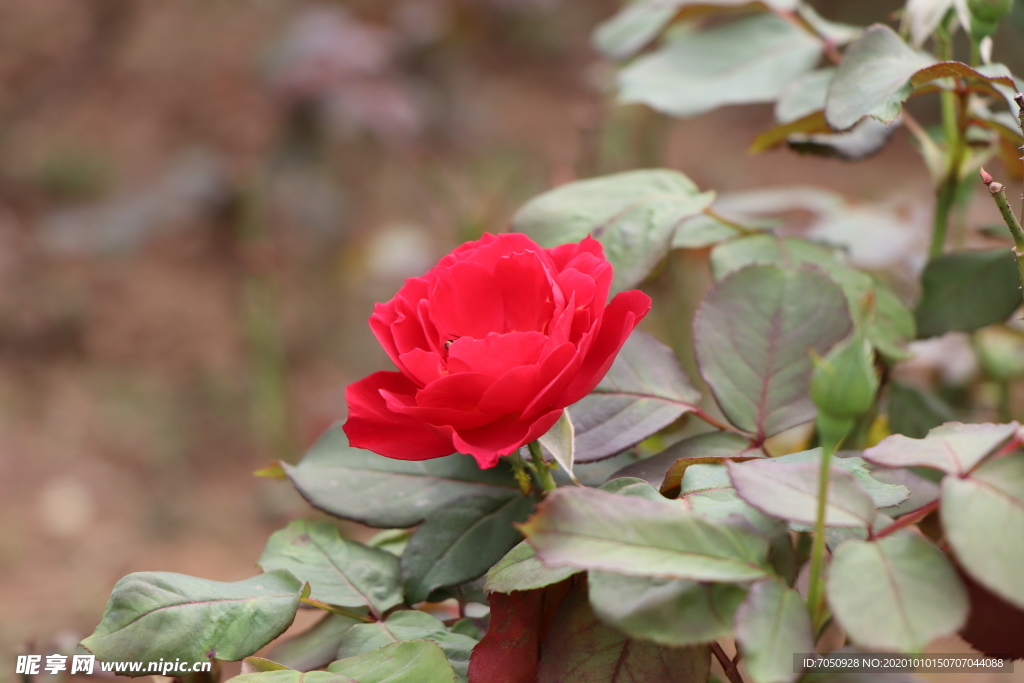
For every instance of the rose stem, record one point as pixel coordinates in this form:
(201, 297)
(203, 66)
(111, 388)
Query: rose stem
(999, 196)
(540, 466)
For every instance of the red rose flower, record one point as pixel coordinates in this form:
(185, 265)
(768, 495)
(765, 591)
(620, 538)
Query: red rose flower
(491, 345)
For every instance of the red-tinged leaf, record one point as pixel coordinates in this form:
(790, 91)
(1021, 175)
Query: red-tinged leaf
(510, 651)
(994, 626)
(579, 648)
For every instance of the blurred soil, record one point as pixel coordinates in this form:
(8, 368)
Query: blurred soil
(200, 201)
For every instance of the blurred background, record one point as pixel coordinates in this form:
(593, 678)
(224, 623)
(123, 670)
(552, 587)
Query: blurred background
(201, 200)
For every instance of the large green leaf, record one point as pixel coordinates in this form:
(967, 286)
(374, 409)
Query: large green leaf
(411, 661)
(772, 625)
(804, 96)
(154, 615)
(873, 79)
(883, 494)
(639, 22)
(955, 447)
(315, 647)
(752, 336)
(461, 541)
(789, 491)
(408, 625)
(983, 517)
(590, 529)
(578, 648)
(895, 594)
(742, 62)
(520, 570)
(913, 412)
(665, 470)
(340, 571)
(889, 326)
(966, 291)
(644, 391)
(633, 214)
(292, 676)
(669, 612)
(386, 493)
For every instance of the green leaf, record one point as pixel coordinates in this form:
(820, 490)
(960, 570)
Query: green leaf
(154, 615)
(408, 625)
(261, 665)
(772, 625)
(804, 96)
(873, 79)
(665, 470)
(412, 661)
(291, 676)
(638, 23)
(631, 486)
(314, 648)
(520, 570)
(460, 542)
(896, 594)
(578, 648)
(704, 230)
(356, 484)
(745, 61)
(913, 412)
(632, 28)
(983, 517)
(1001, 352)
(668, 612)
(966, 291)
(340, 572)
(889, 326)
(633, 214)
(955, 448)
(645, 390)
(922, 17)
(752, 336)
(789, 491)
(590, 529)
(883, 494)
(560, 442)
(867, 138)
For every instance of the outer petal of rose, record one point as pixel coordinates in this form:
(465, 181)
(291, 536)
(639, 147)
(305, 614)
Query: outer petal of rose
(562, 254)
(622, 315)
(373, 426)
(488, 444)
(395, 323)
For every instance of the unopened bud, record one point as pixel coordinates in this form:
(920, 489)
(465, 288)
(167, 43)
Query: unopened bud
(986, 177)
(985, 15)
(844, 382)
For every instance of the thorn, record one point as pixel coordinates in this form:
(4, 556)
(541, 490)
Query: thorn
(1019, 99)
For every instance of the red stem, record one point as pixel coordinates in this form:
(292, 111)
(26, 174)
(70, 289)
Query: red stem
(908, 519)
(731, 672)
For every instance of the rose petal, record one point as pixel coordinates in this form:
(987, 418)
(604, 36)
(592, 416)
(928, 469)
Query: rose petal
(489, 443)
(620, 318)
(422, 366)
(373, 426)
(466, 301)
(527, 297)
(495, 354)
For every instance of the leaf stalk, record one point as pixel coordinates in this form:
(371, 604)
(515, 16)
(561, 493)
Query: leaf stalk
(541, 468)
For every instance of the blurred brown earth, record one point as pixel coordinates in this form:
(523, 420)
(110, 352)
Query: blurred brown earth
(200, 201)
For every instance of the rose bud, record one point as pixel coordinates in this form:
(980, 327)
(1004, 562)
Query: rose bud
(844, 383)
(491, 345)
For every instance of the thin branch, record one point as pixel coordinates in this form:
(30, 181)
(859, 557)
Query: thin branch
(908, 519)
(731, 672)
(999, 197)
